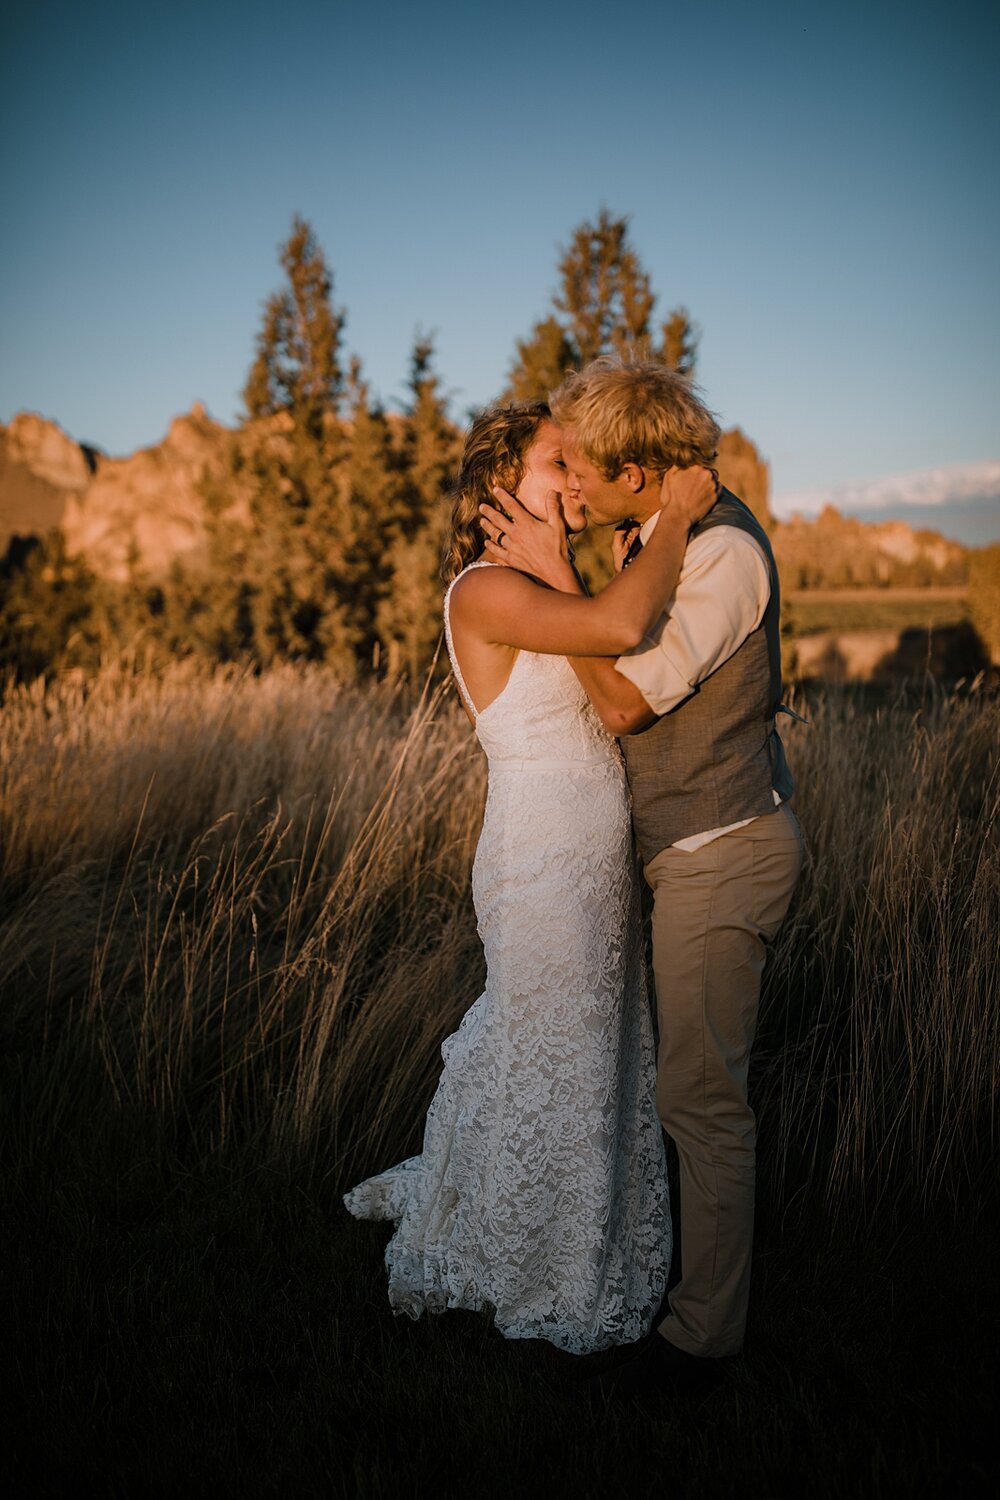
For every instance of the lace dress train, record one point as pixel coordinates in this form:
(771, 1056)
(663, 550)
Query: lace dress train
(541, 1188)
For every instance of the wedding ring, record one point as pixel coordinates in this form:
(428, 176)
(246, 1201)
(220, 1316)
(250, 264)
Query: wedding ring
(500, 537)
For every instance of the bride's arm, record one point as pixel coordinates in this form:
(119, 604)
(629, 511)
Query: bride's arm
(620, 706)
(506, 608)
(542, 550)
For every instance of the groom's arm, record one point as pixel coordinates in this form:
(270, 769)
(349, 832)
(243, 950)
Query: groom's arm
(720, 598)
(620, 704)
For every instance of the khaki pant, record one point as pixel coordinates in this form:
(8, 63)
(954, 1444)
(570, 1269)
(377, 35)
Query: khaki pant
(714, 912)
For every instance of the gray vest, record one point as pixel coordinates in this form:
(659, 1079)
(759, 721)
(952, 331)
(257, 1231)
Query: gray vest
(716, 758)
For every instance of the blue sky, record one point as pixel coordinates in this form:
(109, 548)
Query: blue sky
(816, 183)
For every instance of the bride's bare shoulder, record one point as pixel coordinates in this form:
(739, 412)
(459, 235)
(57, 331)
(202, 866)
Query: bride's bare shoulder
(479, 588)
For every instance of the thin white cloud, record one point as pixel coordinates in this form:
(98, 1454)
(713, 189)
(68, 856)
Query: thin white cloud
(980, 481)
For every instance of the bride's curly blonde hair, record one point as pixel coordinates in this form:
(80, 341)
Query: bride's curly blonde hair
(494, 453)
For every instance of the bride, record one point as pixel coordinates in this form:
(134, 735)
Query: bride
(541, 1190)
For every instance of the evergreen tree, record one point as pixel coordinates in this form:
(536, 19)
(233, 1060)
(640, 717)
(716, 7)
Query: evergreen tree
(375, 505)
(605, 297)
(181, 606)
(409, 613)
(984, 597)
(297, 365)
(221, 618)
(295, 551)
(679, 344)
(430, 445)
(543, 359)
(604, 304)
(49, 615)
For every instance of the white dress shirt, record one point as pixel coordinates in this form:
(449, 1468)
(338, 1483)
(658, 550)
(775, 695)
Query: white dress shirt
(720, 598)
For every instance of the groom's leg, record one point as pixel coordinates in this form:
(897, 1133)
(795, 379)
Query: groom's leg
(714, 912)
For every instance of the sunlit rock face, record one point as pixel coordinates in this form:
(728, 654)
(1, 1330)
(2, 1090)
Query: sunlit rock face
(743, 471)
(42, 447)
(41, 468)
(835, 551)
(897, 539)
(147, 508)
(144, 509)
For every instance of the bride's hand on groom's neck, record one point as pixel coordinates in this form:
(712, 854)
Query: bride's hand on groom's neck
(689, 494)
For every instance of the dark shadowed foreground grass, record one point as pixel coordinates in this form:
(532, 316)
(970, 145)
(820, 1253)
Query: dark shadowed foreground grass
(235, 926)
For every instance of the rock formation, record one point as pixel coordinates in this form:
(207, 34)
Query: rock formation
(41, 470)
(145, 507)
(743, 471)
(835, 551)
(148, 505)
(148, 508)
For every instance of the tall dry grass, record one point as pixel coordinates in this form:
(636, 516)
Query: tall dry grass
(236, 909)
(880, 1058)
(244, 898)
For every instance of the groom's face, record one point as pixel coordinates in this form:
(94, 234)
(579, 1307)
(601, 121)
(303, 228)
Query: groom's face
(606, 501)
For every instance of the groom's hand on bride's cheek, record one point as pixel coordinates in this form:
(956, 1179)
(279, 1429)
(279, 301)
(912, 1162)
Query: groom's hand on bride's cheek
(524, 541)
(510, 531)
(499, 527)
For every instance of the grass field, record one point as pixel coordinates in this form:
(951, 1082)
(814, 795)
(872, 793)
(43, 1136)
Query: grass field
(235, 926)
(812, 611)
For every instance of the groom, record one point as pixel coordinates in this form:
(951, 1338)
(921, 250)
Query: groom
(695, 707)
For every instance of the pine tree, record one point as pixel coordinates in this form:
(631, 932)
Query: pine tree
(409, 613)
(605, 298)
(375, 505)
(295, 551)
(679, 345)
(430, 445)
(297, 365)
(984, 597)
(604, 303)
(542, 360)
(221, 621)
(49, 608)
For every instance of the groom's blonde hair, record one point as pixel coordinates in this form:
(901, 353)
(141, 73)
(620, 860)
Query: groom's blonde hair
(635, 411)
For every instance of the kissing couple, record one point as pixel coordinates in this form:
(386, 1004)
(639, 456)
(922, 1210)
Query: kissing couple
(541, 1191)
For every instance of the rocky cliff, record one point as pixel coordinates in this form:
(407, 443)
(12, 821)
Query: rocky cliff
(145, 506)
(835, 551)
(743, 471)
(41, 469)
(148, 507)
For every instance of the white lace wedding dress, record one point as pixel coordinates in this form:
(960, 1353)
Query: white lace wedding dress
(541, 1189)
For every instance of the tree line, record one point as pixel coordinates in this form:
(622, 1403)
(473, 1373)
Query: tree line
(324, 527)
(325, 521)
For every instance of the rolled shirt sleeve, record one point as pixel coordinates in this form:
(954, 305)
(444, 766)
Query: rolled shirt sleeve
(721, 596)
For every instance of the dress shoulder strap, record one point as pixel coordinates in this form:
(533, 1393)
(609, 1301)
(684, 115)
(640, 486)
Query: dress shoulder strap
(481, 563)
